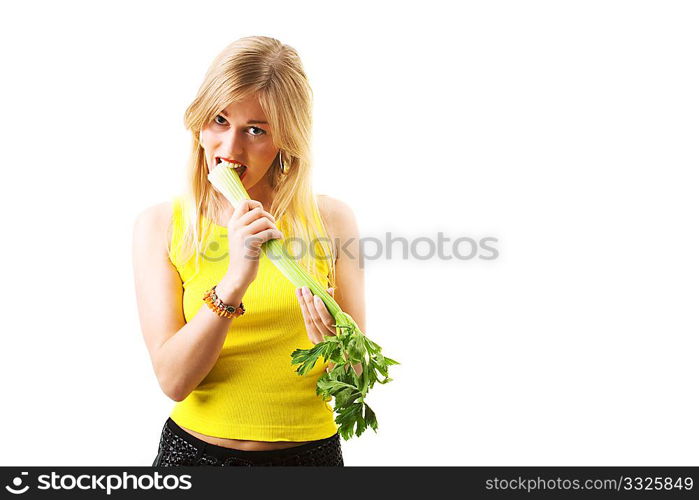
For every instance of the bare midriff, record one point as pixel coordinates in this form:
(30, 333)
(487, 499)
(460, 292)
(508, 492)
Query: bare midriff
(243, 444)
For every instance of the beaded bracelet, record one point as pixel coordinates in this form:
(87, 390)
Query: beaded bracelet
(224, 310)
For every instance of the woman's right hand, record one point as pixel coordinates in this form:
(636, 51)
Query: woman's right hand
(248, 228)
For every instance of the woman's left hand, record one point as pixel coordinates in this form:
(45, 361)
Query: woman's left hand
(319, 321)
(316, 316)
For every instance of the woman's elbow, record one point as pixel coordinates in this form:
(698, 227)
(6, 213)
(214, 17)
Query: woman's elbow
(172, 390)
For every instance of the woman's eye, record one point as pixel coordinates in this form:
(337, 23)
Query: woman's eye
(258, 130)
(255, 131)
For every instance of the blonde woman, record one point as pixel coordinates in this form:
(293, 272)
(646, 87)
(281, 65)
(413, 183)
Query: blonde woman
(239, 401)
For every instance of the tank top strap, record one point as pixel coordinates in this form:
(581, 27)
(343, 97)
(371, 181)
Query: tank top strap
(178, 224)
(321, 256)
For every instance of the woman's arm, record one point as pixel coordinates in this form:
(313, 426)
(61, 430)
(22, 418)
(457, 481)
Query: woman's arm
(349, 265)
(181, 353)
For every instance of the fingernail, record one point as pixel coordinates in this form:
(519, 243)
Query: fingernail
(306, 291)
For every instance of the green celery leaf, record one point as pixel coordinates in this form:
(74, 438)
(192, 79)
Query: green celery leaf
(370, 417)
(343, 396)
(355, 351)
(361, 425)
(390, 361)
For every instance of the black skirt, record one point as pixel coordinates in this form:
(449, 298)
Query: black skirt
(178, 447)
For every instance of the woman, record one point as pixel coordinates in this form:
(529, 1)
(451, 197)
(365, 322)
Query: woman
(239, 401)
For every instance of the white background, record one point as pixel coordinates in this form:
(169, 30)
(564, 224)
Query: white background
(567, 130)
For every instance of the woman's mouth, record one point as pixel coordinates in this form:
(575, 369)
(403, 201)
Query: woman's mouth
(239, 168)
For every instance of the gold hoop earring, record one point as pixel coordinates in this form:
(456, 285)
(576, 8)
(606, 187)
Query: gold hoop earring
(281, 163)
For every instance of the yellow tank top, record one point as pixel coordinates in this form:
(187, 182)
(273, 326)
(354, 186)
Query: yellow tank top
(252, 392)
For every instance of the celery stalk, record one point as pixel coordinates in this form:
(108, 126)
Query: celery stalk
(349, 346)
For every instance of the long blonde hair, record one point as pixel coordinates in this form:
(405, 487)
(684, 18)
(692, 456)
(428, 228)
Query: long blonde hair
(266, 67)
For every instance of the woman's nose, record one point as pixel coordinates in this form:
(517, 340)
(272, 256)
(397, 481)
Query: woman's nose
(235, 142)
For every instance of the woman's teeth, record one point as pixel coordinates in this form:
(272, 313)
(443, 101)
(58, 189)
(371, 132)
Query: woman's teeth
(240, 169)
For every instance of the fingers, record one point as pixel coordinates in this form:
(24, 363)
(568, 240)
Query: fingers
(255, 213)
(256, 222)
(325, 317)
(316, 317)
(311, 329)
(319, 314)
(260, 225)
(245, 206)
(255, 241)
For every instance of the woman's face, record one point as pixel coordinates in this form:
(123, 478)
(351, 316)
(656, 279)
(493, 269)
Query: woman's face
(240, 133)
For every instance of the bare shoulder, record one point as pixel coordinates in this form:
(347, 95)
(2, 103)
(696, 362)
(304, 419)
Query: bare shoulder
(156, 220)
(338, 215)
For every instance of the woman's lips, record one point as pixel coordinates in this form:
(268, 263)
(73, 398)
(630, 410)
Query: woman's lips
(240, 169)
